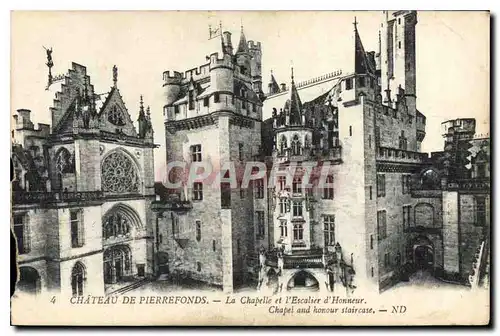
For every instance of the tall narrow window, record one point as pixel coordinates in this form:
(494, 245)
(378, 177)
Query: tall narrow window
(350, 130)
(175, 224)
(369, 141)
(242, 193)
(198, 266)
(198, 230)
(77, 279)
(240, 152)
(197, 191)
(195, 153)
(329, 229)
(371, 242)
(377, 135)
(213, 245)
(381, 224)
(283, 228)
(216, 97)
(225, 195)
(298, 232)
(22, 233)
(406, 217)
(380, 185)
(260, 224)
(283, 205)
(405, 181)
(297, 185)
(238, 246)
(328, 191)
(259, 188)
(480, 211)
(205, 101)
(371, 192)
(348, 84)
(282, 182)
(77, 233)
(297, 209)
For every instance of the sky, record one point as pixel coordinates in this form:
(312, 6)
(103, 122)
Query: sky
(452, 56)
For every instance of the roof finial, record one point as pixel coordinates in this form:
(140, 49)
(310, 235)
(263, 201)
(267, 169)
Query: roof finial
(115, 75)
(141, 104)
(355, 23)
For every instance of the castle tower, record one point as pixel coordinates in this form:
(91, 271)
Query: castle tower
(219, 102)
(398, 65)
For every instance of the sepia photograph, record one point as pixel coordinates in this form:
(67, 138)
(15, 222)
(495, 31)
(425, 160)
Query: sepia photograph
(251, 168)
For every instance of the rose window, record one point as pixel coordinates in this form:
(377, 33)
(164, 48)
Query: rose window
(119, 174)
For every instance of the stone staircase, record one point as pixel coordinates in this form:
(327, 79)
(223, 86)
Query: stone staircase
(480, 266)
(129, 287)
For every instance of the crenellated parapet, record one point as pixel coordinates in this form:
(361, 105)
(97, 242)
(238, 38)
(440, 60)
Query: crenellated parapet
(224, 62)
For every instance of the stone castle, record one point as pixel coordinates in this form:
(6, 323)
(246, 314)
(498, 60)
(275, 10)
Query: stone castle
(349, 200)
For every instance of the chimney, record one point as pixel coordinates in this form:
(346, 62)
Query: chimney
(25, 121)
(226, 42)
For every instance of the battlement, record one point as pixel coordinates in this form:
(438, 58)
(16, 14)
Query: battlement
(461, 125)
(216, 62)
(23, 122)
(176, 76)
(254, 45)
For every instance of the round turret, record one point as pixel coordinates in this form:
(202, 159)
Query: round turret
(171, 86)
(221, 73)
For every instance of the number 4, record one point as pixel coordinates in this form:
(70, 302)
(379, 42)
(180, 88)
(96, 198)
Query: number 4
(53, 300)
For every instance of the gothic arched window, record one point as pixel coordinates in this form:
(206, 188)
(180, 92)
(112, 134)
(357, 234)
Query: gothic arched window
(115, 116)
(295, 145)
(307, 142)
(64, 162)
(77, 279)
(283, 144)
(119, 174)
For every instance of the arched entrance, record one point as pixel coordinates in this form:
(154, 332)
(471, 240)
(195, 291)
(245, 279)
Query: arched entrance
(29, 280)
(303, 280)
(117, 264)
(423, 252)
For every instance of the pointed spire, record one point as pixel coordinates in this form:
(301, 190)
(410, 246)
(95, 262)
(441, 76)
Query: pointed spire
(273, 84)
(142, 116)
(294, 105)
(242, 46)
(148, 113)
(361, 63)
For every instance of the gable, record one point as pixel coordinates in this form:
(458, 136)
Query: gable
(114, 116)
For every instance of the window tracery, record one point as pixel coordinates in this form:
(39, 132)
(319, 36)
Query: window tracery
(119, 174)
(65, 163)
(115, 116)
